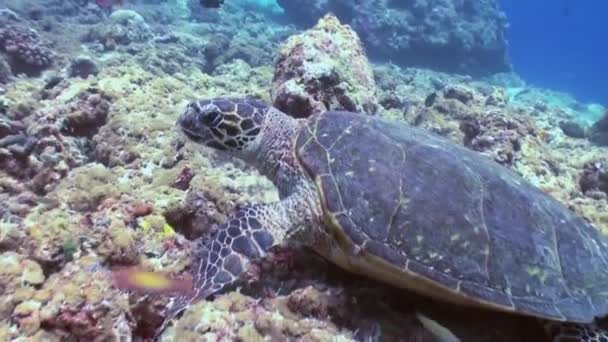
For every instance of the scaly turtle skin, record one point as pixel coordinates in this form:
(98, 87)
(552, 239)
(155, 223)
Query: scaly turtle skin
(406, 207)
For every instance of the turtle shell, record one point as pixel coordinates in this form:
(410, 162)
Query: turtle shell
(418, 211)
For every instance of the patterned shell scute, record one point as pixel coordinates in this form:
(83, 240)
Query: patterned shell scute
(431, 207)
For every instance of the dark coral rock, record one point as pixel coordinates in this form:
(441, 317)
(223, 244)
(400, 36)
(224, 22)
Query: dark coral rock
(36, 13)
(471, 128)
(453, 36)
(87, 115)
(594, 177)
(598, 134)
(458, 92)
(496, 136)
(82, 67)
(52, 82)
(5, 71)
(197, 215)
(26, 51)
(572, 129)
(324, 68)
(183, 180)
(599, 138)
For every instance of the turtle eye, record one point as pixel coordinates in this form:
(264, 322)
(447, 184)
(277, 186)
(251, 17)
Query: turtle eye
(212, 118)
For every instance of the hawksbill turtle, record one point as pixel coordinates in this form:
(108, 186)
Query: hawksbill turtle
(404, 207)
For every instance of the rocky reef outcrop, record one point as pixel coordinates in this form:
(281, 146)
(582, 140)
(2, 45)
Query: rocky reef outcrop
(598, 134)
(456, 36)
(324, 68)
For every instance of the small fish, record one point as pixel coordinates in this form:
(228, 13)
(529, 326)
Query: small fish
(135, 279)
(430, 100)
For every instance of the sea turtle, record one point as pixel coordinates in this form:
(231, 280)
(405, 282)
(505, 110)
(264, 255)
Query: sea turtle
(405, 207)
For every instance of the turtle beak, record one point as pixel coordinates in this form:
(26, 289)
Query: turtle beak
(189, 124)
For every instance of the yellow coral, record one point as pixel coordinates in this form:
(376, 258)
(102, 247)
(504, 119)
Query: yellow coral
(167, 232)
(156, 224)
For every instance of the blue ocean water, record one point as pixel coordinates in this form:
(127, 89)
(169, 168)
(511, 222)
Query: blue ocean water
(561, 45)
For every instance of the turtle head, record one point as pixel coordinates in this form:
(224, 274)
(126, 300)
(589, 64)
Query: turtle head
(231, 125)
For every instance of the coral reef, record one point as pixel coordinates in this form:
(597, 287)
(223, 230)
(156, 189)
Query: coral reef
(461, 36)
(497, 136)
(517, 127)
(238, 34)
(474, 114)
(26, 52)
(83, 67)
(93, 174)
(77, 302)
(123, 27)
(38, 147)
(236, 317)
(86, 115)
(324, 68)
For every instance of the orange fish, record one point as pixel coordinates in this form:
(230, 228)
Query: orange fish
(135, 279)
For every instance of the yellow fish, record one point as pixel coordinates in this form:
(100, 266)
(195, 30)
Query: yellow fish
(135, 279)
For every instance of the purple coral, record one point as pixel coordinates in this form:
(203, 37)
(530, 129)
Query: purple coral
(25, 49)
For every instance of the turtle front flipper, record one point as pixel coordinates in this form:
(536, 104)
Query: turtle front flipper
(223, 256)
(226, 253)
(573, 332)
